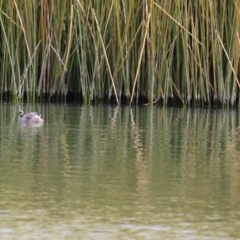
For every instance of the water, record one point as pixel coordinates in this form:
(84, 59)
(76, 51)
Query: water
(102, 172)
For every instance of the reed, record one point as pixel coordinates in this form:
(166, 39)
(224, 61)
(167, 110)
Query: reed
(121, 51)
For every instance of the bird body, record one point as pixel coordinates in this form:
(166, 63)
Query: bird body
(30, 118)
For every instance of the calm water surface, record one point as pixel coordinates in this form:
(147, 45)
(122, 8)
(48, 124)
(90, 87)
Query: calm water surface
(104, 172)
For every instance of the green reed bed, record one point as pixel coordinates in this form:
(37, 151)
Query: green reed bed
(121, 51)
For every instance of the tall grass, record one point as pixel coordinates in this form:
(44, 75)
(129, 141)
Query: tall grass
(121, 51)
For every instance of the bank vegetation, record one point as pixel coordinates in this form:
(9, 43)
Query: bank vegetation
(120, 51)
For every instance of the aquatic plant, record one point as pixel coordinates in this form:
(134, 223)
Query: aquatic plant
(121, 51)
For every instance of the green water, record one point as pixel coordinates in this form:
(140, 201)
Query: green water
(104, 172)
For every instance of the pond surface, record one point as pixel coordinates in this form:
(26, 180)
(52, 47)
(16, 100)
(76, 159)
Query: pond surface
(106, 172)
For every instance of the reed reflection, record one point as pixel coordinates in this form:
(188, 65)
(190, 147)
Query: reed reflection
(142, 156)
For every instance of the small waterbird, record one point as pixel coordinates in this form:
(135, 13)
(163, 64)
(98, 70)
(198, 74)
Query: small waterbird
(30, 118)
